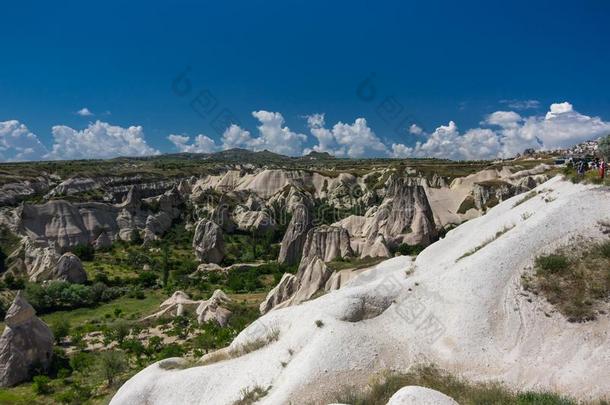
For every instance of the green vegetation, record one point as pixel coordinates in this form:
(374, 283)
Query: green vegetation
(462, 391)
(354, 263)
(252, 395)
(528, 196)
(575, 281)
(486, 242)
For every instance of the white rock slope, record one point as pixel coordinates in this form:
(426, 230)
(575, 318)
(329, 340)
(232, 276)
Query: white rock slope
(466, 315)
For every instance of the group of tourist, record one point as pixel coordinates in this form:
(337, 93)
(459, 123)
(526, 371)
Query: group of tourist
(597, 164)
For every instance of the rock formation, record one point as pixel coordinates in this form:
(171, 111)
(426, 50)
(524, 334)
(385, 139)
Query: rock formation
(294, 238)
(25, 343)
(214, 309)
(467, 314)
(282, 292)
(414, 395)
(208, 242)
(322, 244)
(176, 305)
(327, 243)
(70, 268)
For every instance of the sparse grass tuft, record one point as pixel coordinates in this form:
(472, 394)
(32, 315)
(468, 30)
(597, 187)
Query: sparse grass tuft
(486, 242)
(255, 344)
(250, 396)
(528, 196)
(319, 323)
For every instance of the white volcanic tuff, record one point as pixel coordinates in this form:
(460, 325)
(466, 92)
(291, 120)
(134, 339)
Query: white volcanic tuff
(246, 220)
(26, 342)
(301, 222)
(413, 395)
(208, 242)
(404, 216)
(282, 292)
(213, 309)
(465, 315)
(323, 244)
(69, 268)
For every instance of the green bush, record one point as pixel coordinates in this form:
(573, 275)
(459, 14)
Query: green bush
(60, 329)
(85, 252)
(553, 263)
(409, 250)
(61, 295)
(111, 364)
(42, 385)
(147, 279)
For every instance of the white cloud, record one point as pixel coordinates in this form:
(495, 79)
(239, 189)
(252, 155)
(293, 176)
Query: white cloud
(352, 140)
(99, 140)
(521, 104)
(17, 143)
(201, 144)
(506, 119)
(237, 137)
(276, 137)
(84, 112)
(415, 130)
(508, 134)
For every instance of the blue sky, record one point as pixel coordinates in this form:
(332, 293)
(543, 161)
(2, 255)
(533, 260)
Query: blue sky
(435, 61)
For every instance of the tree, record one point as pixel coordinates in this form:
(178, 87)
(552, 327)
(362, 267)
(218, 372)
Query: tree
(60, 328)
(120, 330)
(165, 264)
(604, 147)
(111, 364)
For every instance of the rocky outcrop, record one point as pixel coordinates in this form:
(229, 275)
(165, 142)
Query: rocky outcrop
(490, 193)
(208, 242)
(280, 293)
(13, 192)
(415, 395)
(248, 221)
(323, 244)
(26, 342)
(70, 268)
(291, 247)
(405, 215)
(214, 309)
(177, 305)
(327, 243)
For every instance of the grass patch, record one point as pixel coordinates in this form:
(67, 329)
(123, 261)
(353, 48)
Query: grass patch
(486, 242)
(253, 345)
(575, 281)
(465, 393)
(354, 263)
(526, 197)
(245, 348)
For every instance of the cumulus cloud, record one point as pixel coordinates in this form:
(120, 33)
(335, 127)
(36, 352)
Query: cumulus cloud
(99, 140)
(415, 130)
(506, 133)
(352, 140)
(17, 143)
(237, 137)
(275, 136)
(447, 143)
(200, 144)
(84, 112)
